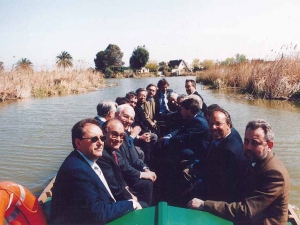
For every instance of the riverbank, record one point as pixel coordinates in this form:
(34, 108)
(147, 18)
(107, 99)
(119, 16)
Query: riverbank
(279, 79)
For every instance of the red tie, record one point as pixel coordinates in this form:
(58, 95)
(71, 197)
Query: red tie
(115, 157)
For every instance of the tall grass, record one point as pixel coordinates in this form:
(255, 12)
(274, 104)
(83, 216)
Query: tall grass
(26, 84)
(278, 79)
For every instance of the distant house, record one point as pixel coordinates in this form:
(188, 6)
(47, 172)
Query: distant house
(178, 66)
(143, 70)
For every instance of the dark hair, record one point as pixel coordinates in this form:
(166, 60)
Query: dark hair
(151, 85)
(260, 123)
(228, 118)
(130, 95)
(192, 104)
(162, 82)
(140, 90)
(122, 100)
(211, 108)
(78, 129)
(192, 81)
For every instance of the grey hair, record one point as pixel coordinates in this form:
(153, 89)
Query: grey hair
(196, 97)
(260, 123)
(172, 94)
(104, 107)
(181, 96)
(121, 108)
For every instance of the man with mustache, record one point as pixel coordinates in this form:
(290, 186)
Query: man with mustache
(264, 192)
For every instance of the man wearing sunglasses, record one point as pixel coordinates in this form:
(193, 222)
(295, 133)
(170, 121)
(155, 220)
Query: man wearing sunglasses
(80, 194)
(114, 132)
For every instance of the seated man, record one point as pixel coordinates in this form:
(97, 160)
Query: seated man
(225, 163)
(264, 192)
(114, 133)
(135, 172)
(80, 194)
(105, 110)
(191, 138)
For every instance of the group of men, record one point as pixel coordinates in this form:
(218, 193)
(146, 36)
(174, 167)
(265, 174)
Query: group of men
(194, 152)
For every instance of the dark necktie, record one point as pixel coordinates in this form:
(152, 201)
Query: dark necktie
(115, 157)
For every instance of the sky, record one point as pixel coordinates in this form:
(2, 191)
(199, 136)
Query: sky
(39, 30)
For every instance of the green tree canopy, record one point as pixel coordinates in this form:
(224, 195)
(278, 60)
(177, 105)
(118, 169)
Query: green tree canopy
(64, 60)
(228, 61)
(163, 66)
(152, 66)
(207, 63)
(139, 58)
(240, 58)
(24, 64)
(110, 57)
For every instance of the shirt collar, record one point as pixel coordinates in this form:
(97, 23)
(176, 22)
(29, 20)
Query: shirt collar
(90, 162)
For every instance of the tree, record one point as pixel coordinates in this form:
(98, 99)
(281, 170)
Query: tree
(139, 58)
(207, 63)
(240, 58)
(163, 66)
(110, 57)
(152, 66)
(64, 60)
(196, 65)
(228, 62)
(24, 64)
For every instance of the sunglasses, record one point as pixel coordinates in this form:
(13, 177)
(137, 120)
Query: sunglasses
(95, 139)
(115, 134)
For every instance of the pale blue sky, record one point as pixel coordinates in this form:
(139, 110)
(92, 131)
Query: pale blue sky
(174, 29)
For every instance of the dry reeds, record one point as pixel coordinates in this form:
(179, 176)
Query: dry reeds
(26, 84)
(278, 79)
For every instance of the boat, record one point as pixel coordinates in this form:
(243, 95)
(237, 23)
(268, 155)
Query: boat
(160, 215)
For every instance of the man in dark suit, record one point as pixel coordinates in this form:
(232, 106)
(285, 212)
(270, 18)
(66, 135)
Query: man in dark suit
(80, 192)
(161, 101)
(264, 193)
(190, 87)
(135, 172)
(224, 165)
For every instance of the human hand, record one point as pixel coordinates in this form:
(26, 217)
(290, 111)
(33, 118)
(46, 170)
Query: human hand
(135, 131)
(145, 137)
(149, 175)
(136, 205)
(196, 203)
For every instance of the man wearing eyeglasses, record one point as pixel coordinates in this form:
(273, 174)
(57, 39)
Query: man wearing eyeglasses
(224, 165)
(80, 194)
(264, 191)
(114, 133)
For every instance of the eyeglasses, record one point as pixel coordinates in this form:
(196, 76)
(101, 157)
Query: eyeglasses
(95, 139)
(115, 134)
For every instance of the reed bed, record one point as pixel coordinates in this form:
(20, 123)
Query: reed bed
(26, 84)
(279, 79)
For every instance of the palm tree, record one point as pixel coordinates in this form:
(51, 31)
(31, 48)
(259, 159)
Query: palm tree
(24, 64)
(64, 60)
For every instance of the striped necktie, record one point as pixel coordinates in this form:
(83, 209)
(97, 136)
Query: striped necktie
(115, 157)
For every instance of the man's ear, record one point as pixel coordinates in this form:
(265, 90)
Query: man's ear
(78, 143)
(270, 144)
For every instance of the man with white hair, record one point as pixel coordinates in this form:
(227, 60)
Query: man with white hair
(105, 111)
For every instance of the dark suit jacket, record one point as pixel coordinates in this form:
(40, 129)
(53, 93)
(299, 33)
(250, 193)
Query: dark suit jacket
(193, 135)
(113, 176)
(265, 195)
(224, 168)
(157, 103)
(129, 162)
(79, 196)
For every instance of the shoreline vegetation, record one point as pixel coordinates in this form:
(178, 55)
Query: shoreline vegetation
(279, 79)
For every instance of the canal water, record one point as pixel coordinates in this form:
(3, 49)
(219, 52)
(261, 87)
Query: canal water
(35, 134)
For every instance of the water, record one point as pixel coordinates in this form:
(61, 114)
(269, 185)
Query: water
(35, 134)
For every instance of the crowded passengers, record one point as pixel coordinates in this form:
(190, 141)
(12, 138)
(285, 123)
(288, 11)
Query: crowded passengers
(155, 145)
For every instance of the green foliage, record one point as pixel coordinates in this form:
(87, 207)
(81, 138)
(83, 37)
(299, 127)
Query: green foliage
(228, 62)
(196, 65)
(24, 64)
(207, 63)
(139, 58)
(240, 58)
(108, 72)
(163, 66)
(64, 60)
(110, 57)
(152, 66)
